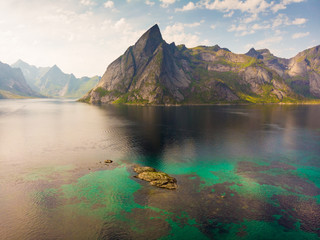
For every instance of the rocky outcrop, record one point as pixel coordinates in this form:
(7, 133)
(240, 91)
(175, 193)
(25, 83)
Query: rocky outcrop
(155, 72)
(158, 179)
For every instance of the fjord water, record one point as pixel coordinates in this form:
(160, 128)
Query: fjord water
(244, 172)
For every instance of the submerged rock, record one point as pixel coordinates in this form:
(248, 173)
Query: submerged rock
(158, 179)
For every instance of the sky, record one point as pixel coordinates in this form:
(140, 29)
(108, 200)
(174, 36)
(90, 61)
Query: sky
(84, 36)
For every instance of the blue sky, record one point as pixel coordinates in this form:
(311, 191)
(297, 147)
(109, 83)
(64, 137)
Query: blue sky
(84, 36)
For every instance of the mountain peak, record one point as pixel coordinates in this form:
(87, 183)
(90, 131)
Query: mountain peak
(254, 53)
(54, 70)
(19, 63)
(154, 32)
(150, 40)
(55, 67)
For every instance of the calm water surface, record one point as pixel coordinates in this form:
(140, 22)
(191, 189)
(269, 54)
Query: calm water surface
(244, 172)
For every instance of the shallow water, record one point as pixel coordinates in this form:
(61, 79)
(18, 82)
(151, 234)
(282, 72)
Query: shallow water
(244, 172)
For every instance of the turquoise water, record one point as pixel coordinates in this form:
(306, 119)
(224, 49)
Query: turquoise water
(244, 172)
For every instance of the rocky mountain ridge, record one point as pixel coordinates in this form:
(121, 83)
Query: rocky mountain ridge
(53, 82)
(301, 73)
(155, 72)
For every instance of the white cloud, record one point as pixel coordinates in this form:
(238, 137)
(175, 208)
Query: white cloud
(195, 24)
(299, 21)
(277, 7)
(254, 7)
(150, 3)
(251, 18)
(244, 33)
(166, 3)
(176, 33)
(190, 6)
(280, 20)
(265, 43)
(300, 35)
(241, 30)
(87, 3)
(283, 20)
(283, 4)
(251, 6)
(259, 27)
(108, 4)
(213, 26)
(121, 24)
(229, 14)
(234, 28)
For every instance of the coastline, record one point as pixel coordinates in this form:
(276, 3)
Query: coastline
(317, 102)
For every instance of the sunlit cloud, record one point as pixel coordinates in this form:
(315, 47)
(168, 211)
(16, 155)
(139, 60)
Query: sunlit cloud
(190, 6)
(166, 3)
(300, 35)
(150, 3)
(109, 4)
(177, 33)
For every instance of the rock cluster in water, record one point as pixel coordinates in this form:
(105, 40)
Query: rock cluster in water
(158, 179)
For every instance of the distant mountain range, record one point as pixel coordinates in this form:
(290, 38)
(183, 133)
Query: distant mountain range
(13, 83)
(155, 72)
(52, 82)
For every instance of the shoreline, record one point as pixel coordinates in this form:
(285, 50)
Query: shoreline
(200, 104)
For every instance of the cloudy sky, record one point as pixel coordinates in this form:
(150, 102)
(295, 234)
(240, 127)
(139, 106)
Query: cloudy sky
(84, 36)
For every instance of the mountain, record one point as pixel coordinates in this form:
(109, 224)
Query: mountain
(279, 65)
(301, 73)
(13, 83)
(31, 73)
(155, 72)
(51, 81)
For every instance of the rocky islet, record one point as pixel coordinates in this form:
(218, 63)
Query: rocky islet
(158, 179)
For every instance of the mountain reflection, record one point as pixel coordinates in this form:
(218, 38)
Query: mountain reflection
(229, 131)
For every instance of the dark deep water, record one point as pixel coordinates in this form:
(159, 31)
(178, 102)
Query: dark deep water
(244, 172)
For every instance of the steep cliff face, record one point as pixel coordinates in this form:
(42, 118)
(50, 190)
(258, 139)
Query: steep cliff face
(154, 72)
(304, 72)
(13, 83)
(146, 73)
